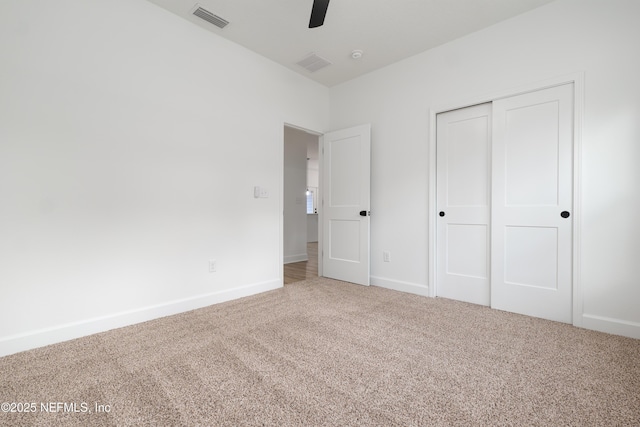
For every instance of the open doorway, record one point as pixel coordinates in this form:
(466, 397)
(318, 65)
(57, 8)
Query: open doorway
(300, 205)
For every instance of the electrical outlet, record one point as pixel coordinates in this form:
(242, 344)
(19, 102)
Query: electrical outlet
(213, 265)
(386, 256)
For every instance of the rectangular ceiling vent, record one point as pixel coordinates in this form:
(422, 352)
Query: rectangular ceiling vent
(313, 63)
(210, 17)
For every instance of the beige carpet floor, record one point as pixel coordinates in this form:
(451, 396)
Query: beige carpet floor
(327, 353)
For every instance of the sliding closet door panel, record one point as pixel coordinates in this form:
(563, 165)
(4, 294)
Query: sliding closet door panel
(532, 187)
(463, 203)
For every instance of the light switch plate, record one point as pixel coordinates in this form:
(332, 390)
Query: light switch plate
(260, 192)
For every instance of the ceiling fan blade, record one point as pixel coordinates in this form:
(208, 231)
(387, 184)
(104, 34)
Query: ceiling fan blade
(318, 13)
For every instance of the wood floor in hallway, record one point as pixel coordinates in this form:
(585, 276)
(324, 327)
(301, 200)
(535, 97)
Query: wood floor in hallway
(298, 271)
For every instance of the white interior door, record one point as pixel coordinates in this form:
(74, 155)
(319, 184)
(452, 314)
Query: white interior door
(345, 210)
(463, 202)
(532, 204)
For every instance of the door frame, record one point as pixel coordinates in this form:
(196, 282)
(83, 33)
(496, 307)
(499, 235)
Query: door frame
(319, 134)
(578, 112)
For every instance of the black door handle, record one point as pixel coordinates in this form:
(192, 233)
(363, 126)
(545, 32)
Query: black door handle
(441, 213)
(565, 214)
(363, 213)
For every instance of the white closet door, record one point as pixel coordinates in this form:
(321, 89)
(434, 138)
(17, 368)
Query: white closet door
(532, 204)
(463, 201)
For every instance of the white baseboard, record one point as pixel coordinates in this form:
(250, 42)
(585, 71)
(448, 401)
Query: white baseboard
(42, 337)
(288, 259)
(397, 285)
(611, 325)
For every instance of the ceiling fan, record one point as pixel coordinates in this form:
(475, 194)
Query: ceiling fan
(318, 12)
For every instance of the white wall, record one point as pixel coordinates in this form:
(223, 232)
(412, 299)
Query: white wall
(313, 164)
(597, 37)
(312, 228)
(130, 143)
(295, 202)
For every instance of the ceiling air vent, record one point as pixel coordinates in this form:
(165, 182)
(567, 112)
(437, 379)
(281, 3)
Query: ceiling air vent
(313, 63)
(210, 17)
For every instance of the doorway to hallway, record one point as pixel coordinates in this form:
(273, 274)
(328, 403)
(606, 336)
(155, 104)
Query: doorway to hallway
(300, 204)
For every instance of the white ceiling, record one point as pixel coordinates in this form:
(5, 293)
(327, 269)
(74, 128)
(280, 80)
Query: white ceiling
(386, 30)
